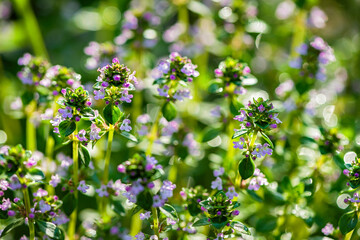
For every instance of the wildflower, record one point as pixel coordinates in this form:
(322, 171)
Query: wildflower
(219, 172)
(125, 125)
(145, 215)
(164, 91)
(102, 191)
(66, 113)
(157, 201)
(217, 184)
(328, 229)
(94, 132)
(40, 193)
(262, 150)
(55, 180)
(81, 135)
(231, 193)
(239, 144)
(83, 187)
(166, 190)
(257, 180)
(44, 207)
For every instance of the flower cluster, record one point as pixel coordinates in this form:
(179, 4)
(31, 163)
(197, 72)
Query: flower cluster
(257, 180)
(110, 230)
(17, 160)
(231, 76)
(193, 196)
(34, 69)
(259, 115)
(59, 77)
(100, 54)
(220, 211)
(352, 171)
(330, 141)
(140, 174)
(114, 83)
(172, 73)
(314, 56)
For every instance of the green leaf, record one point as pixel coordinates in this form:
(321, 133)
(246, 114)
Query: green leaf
(235, 106)
(50, 230)
(169, 111)
(11, 226)
(129, 136)
(266, 224)
(69, 204)
(305, 140)
(84, 156)
(267, 139)
(112, 113)
(240, 227)
(210, 134)
(239, 133)
(37, 173)
(135, 210)
(118, 208)
(201, 222)
(67, 127)
(215, 87)
(3, 214)
(348, 222)
(246, 168)
(254, 195)
(169, 211)
(145, 200)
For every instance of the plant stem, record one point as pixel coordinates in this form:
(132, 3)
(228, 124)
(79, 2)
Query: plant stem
(32, 27)
(73, 217)
(106, 169)
(253, 139)
(153, 133)
(30, 134)
(299, 32)
(156, 221)
(27, 208)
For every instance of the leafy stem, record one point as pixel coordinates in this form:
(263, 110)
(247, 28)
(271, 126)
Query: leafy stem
(73, 217)
(27, 208)
(153, 132)
(155, 221)
(106, 167)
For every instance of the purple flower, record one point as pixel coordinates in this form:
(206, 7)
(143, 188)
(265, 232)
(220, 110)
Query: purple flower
(261, 108)
(257, 180)
(189, 70)
(217, 184)
(241, 117)
(246, 70)
(166, 190)
(239, 144)
(44, 207)
(94, 132)
(125, 125)
(11, 213)
(164, 67)
(55, 180)
(296, 63)
(303, 49)
(66, 113)
(231, 193)
(83, 187)
(121, 168)
(102, 191)
(6, 204)
(328, 229)
(219, 172)
(99, 94)
(4, 185)
(81, 136)
(157, 201)
(145, 215)
(164, 91)
(262, 150)
(319, 44)
(40, 193)
(218, 72)
(117, 77)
